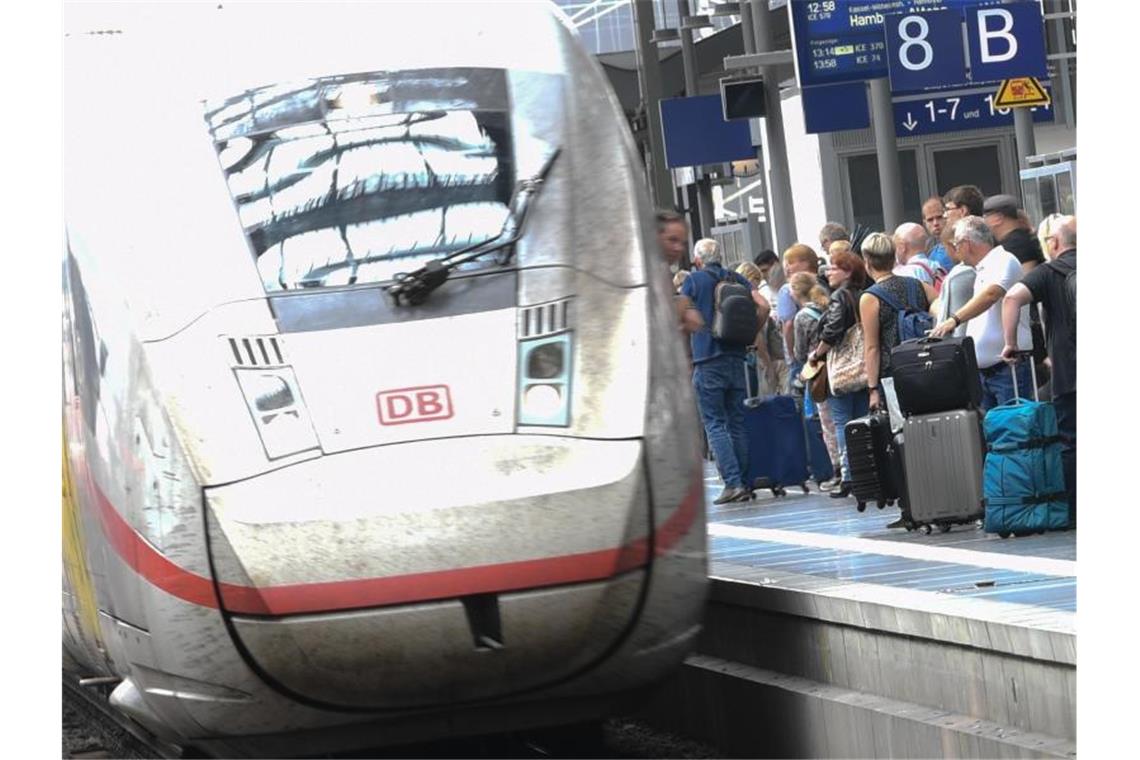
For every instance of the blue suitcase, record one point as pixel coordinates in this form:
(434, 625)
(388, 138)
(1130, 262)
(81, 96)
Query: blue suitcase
(777, 444)
(1023, 481)
(777, 448)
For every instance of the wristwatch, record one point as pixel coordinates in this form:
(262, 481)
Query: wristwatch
(957, 320)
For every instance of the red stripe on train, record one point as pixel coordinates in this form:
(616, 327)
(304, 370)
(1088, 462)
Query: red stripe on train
(148, 562)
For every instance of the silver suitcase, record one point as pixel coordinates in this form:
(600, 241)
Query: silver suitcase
(943, 456)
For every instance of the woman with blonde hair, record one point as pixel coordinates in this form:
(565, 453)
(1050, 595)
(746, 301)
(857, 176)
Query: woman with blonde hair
(1047, 229)
(880, 321)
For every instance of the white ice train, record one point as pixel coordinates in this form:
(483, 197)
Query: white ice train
(376, 419)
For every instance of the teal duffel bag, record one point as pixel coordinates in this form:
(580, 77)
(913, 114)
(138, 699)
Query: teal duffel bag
(1023, 481)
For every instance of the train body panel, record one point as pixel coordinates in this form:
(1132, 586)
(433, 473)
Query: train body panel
(289, 499)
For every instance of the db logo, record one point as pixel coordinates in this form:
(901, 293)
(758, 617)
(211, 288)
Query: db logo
(422, 404)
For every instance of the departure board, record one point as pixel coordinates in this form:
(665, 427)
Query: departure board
(843, 40)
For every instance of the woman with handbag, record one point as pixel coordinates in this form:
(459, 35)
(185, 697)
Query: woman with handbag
(841, 346)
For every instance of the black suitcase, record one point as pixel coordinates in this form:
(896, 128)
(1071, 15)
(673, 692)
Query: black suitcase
(936, 375)
(874, 476)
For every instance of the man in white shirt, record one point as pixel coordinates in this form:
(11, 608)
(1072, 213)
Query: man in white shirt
(910, 253)
(997, 270)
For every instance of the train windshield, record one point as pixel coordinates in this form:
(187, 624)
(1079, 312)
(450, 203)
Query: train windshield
(350, 180)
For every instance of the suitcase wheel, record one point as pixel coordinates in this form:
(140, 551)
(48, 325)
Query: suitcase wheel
(779, 491)
(909, 527)
(945, 528)
(804, 486)
(861, 506)
(880, 504)
(1004, 533)
(927, 529)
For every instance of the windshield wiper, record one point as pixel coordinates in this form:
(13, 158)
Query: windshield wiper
(414, 287)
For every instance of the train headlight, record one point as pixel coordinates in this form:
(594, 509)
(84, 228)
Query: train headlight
(275, 402)
(544, 381)
(271, 393)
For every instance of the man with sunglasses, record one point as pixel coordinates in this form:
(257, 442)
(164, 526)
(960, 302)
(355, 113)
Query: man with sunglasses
(997, 272)
(962, 201)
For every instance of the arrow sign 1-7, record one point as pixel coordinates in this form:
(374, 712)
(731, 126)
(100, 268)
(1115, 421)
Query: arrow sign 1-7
(910, 123)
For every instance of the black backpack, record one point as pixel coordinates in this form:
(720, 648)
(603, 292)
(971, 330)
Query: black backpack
(735, 322)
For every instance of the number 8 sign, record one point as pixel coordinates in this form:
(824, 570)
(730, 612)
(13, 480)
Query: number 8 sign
(925, 50)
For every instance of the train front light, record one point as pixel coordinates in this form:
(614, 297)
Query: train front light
(280, 416)
(544, 381)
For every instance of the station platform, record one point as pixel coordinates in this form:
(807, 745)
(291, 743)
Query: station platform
(829, 635)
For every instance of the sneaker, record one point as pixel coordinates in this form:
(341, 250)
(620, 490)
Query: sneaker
(732, 493)
(843, 491)
(827, 485)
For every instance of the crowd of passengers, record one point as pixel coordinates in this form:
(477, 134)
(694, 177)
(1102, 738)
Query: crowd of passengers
(977, 264)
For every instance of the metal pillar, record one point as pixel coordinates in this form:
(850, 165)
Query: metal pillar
(746, 26)
(1023, 131)
(782, 209)
(1062, 83)
(649, 80)
(688, 49)
(692, 88)
(887, 150)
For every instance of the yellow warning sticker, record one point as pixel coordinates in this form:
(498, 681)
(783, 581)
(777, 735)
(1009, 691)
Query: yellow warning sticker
(1021, 92)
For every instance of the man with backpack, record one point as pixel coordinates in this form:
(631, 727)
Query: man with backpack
(732, 318)
(1054, 286)
(996, 272)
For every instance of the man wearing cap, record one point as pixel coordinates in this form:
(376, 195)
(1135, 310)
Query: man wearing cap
(1002, 216)
(1000, 213)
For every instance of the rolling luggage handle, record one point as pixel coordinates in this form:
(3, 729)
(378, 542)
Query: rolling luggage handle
(1033, 372)
(751, 400)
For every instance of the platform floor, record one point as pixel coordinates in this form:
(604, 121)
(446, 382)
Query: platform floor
(813, 540)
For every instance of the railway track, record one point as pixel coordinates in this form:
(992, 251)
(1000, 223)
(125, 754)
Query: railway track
(91, 729)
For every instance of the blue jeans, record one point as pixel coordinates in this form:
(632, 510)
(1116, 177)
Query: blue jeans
(845, 408)
(997, 384)
(719, 384)
(1066, 407)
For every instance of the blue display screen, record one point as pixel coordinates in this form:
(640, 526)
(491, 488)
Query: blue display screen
(844, 40)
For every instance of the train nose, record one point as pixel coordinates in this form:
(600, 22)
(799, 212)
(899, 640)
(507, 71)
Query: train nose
(434, 571)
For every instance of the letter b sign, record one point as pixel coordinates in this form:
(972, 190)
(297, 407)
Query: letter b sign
(1006, 41)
